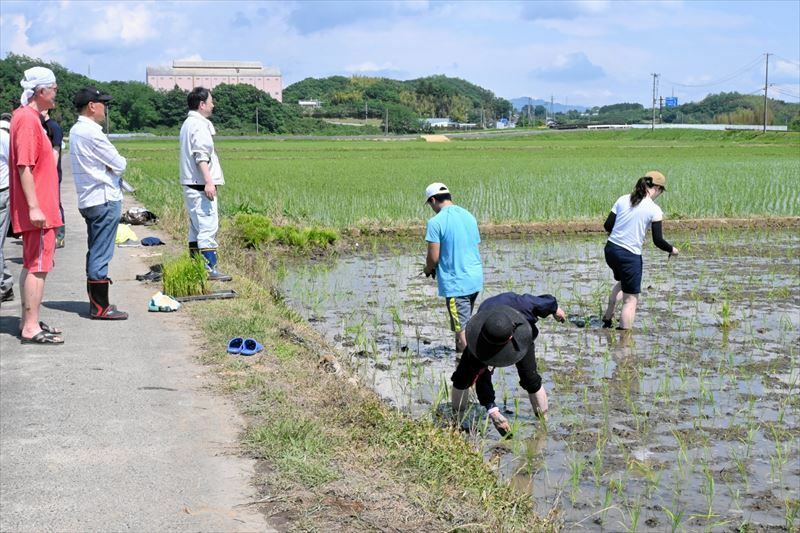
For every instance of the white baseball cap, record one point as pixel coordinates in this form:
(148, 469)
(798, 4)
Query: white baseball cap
(434, 189)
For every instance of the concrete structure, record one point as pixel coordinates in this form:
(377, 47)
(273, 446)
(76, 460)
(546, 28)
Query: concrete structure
(439, 123)
(190, 74)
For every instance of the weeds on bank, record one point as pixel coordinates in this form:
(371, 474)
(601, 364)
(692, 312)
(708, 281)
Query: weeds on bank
(312, 428)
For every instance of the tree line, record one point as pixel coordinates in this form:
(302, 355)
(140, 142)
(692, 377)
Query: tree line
(137, 107)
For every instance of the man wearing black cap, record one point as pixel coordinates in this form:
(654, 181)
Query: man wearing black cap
(502, 333)
(97, 168)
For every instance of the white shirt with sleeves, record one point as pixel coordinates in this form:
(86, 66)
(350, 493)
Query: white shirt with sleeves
(633, 222)
(197, 145)
(97, 166)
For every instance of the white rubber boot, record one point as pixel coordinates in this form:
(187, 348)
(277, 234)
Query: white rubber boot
(460, 400)
(539, 403)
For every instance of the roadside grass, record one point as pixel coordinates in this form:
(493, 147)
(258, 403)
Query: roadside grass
(333, 455)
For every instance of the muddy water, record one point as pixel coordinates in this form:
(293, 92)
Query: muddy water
(692, 423)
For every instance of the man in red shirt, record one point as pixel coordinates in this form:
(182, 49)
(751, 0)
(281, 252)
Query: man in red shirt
(34, 199)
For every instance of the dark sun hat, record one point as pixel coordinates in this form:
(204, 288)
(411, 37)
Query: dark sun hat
(499, 336)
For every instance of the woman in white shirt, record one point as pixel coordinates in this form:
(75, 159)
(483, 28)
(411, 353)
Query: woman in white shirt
(626, 225)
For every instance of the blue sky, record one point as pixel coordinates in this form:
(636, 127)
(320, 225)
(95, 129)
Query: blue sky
(580, 52)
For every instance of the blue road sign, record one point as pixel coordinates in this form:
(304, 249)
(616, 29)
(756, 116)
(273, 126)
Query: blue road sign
(671, 101)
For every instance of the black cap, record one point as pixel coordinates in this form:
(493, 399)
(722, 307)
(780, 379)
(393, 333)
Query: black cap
(89, 94)
(499, 336)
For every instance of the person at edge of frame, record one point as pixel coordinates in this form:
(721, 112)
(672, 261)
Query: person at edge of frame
(97, 169)
(6, 279)
(627, 224)
(453, 258)
(201, 176)
(56, 136)
(34, 200)
(502, 333)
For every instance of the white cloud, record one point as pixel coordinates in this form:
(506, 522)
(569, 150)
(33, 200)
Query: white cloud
(19, 43)
(127, 22)
(369, 66)
(785, 68)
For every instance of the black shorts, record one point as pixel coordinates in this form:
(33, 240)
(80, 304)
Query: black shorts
(627, 267)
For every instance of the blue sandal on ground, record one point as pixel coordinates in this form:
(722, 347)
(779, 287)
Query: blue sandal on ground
(235, 345)
(251, 347)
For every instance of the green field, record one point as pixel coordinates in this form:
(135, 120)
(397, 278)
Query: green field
(550, 177)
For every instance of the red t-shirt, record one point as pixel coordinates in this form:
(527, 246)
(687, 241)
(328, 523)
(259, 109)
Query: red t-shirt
(30, 147)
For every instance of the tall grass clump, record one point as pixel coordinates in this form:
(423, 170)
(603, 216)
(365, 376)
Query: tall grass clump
(185, 276)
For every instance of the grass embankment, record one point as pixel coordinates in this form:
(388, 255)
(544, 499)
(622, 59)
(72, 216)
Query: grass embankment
(332, 455)
(552, 177)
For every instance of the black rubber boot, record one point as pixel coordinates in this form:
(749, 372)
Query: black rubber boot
(99, 308)
(193, 249)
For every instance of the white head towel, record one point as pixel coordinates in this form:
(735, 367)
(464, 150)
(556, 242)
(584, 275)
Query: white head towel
(34, 77)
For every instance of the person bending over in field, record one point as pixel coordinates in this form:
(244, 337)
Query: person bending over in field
(502, 333)
(626, 225)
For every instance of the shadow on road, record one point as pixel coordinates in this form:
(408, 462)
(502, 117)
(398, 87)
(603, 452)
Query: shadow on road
(9, 325)
(79, 308)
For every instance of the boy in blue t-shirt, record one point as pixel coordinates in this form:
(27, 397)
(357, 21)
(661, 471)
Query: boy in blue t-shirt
(453, 258)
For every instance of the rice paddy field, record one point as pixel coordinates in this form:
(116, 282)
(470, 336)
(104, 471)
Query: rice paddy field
(692, 423)
(549, 177)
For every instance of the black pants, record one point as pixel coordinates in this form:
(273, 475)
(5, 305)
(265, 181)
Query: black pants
(470, 371)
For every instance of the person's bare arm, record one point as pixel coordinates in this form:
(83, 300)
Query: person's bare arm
(432, 260)
(29, 190)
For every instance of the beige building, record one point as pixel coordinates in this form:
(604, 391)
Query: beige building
(190, 74)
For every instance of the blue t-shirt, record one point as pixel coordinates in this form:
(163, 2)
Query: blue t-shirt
(459, 272)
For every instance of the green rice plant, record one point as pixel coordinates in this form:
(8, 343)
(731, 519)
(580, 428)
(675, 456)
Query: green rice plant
(708, 489)
(576, 466)
(740, 178)
(185, 276)
(675, 518)
(634, 513)
(791, 513)
(725, 315)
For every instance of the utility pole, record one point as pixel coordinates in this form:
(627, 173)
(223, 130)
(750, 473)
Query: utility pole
(552, 116)
(766, 87)
(660, 107)
(256, 121)
(386, 124)
(655, 91)
(366, 112)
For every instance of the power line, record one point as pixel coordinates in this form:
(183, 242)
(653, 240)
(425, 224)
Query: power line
(797, 64)
(749, 66)
(785, 93)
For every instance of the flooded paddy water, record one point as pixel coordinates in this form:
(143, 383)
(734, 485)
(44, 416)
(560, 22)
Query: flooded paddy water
(692, 423)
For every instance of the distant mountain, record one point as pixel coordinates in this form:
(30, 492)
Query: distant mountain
(522, 101)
